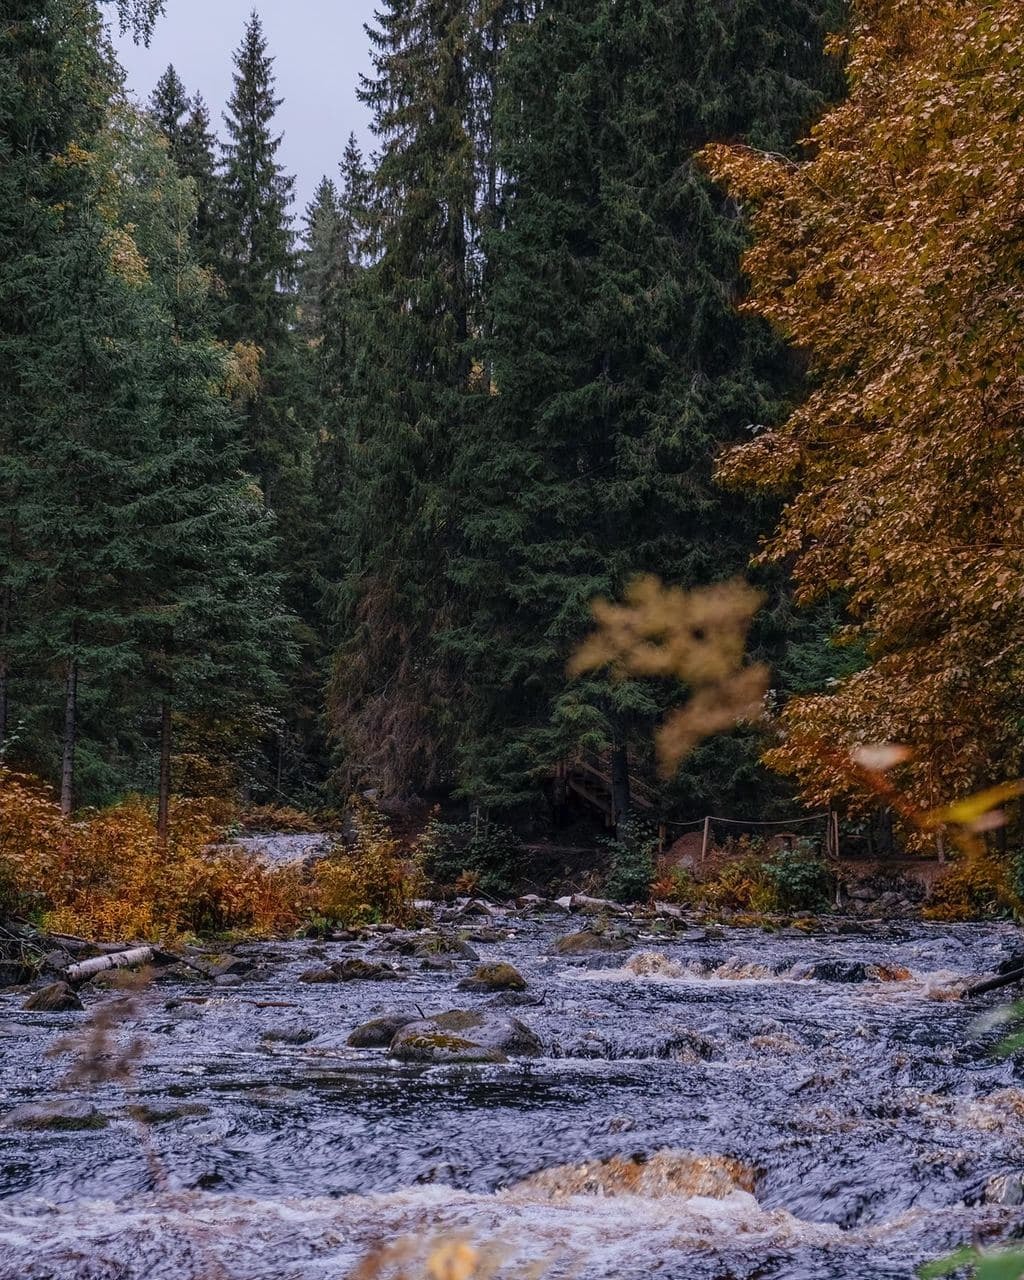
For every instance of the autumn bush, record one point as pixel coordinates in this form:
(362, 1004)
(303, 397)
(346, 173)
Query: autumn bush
(105, 874)
(752, 880)
(373, 877)
(281, 818)
(976, 886)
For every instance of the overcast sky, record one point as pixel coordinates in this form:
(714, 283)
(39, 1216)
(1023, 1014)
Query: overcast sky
(319, 48)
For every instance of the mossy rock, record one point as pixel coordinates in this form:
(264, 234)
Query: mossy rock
(379, 1032)
(443, 1047)
(494, 976)
(479, 1030)
(440, 944)
(588, 942)
(352, 970)
(54, 1116)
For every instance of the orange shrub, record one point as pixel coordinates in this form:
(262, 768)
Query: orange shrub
(105, 875)
(973, 887)
(375, 878)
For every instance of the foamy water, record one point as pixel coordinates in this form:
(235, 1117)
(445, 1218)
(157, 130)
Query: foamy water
(700, 1110)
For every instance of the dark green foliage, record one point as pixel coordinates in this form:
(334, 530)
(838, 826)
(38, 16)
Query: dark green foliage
(185, 123)
(618, 365)
(799, 879)
(490, 853)
(256, 237)
(631, 862)
(257, 264)
(393, 695)
(132, 569)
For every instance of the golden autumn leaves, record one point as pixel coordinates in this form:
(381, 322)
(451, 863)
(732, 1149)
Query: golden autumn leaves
(698, 637)
(890, 257)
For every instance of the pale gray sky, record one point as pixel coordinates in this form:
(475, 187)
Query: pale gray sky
(319, 46)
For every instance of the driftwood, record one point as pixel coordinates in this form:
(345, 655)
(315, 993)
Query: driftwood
(993, 984)
(118, 960)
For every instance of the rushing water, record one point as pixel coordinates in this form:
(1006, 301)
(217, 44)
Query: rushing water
(872, 1118)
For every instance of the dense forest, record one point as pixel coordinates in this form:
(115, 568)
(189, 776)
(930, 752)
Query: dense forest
(512, 676)
(296, 508)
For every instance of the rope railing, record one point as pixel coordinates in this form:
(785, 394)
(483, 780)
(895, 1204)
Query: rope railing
(831, 833)
(744, 822)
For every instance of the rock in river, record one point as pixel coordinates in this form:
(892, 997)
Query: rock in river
(587, 942)
(494, 976)
(379, 1032)
(54, 1115)
(350, 971)
(58, 997)
(461, 1035)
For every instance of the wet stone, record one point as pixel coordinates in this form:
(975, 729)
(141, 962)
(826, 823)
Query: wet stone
(494, 976)
(352, 970)
(54, 1115)
(439, 944)
(1005, 1189)
(462, 1035)
(379, 1032)
(291, 1033)
(166, 1113)
(58, 997)
(588, 941)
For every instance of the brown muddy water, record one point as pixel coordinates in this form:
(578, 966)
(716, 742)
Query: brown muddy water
(733, 1107)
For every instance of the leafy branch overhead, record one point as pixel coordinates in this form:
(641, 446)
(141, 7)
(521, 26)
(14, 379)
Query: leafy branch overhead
(698, 637)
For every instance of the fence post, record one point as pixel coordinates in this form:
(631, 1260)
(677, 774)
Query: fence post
(705, 841)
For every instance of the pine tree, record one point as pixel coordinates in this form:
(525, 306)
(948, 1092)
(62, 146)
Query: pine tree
(410, 370)
(213, 632)
(618, 365)
(185, 123)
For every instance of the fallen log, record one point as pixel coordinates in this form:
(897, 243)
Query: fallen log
(118, 960)
(993, 984)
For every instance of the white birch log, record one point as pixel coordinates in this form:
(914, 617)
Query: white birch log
(119, 960)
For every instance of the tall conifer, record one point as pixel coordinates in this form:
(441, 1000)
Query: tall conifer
(410, 371)
(619, 366)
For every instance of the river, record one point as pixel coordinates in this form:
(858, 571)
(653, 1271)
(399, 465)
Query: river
(762, 1118)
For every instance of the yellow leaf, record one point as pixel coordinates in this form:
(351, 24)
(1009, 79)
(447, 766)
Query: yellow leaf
(967, 812)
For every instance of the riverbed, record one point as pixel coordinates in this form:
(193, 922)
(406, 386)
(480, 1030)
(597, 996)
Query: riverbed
(730, 1104)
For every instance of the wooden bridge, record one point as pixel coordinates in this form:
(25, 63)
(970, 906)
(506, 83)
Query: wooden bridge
(588, 776)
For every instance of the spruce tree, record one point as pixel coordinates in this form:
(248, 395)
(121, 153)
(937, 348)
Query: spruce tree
(213, 632)
(258, 267)
(78, 399)
(330, 283)
(185, 123)
(257, 261)
(619, 364)
(410, 370)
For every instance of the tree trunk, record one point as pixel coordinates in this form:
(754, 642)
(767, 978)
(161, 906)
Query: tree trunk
(163, 799)
(5, 630)
(621, 801)
(118, 960)
(67, 772)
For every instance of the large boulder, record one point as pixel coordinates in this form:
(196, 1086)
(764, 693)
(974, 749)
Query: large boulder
(494, 976)
(58, 997)
(589, 943)
(379, 1032)
(462, 1035)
